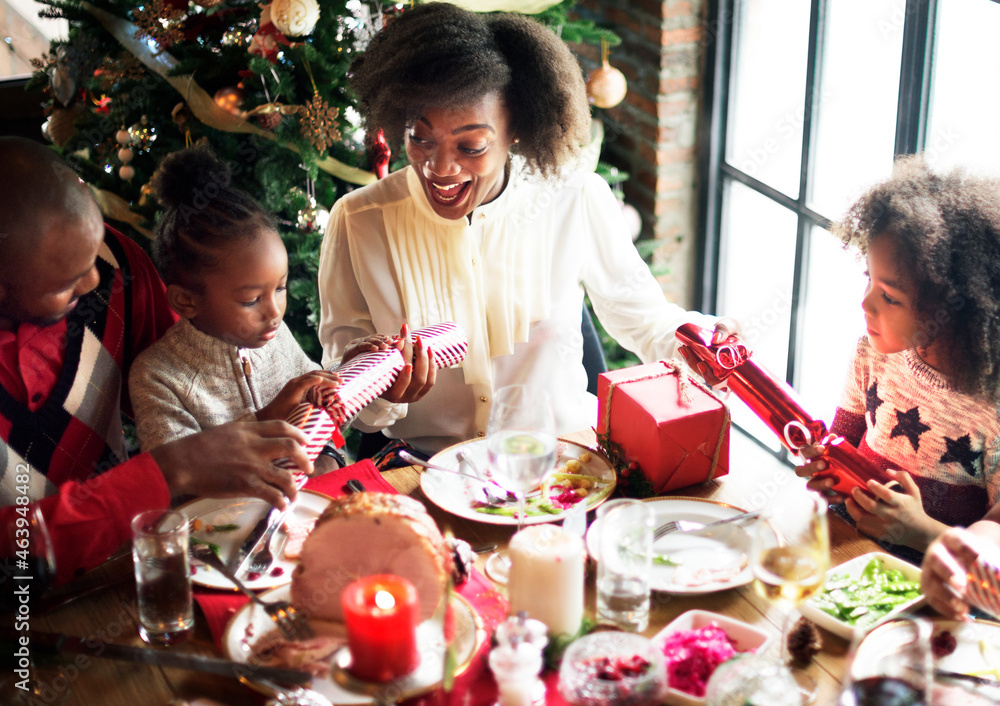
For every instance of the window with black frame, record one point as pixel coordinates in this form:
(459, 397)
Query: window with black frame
(806, 104)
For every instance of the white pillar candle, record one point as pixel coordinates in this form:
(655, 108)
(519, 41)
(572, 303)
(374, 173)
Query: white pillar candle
(546, 577)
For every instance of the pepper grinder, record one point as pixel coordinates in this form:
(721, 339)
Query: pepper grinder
(516, 661)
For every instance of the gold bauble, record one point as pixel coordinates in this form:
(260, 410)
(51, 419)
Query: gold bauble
(207, 4)
(230, 99)
(606, 86)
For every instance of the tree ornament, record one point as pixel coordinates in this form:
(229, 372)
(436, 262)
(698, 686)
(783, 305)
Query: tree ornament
(146, 194)
(143, 135)
(606, 86)
(159, 21)
(268, 115)
(267, 38)
(127, 172)
(122, 137)
(125, 155)
(269, 121)
(319, 123)
(313, 218)
(60, 125)
(295, 18)
(380, 155)
(633, 221)
(181, 114)
(207, 4)
(230, 99)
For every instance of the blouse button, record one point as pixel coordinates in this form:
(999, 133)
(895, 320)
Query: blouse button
(480, 434)
(483, 398)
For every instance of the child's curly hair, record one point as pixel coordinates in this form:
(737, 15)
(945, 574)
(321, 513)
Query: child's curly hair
(438, 55)
(947, 233)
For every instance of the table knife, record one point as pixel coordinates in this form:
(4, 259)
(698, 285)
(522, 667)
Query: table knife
(249, 545)
(60, 642)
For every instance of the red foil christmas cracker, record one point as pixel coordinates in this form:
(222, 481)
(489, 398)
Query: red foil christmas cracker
(362, 379)
(774, 401)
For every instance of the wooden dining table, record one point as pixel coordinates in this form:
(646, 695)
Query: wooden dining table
(102, 603)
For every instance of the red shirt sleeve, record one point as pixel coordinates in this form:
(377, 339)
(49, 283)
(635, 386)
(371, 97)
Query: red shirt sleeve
(88, 520)
(151, 314)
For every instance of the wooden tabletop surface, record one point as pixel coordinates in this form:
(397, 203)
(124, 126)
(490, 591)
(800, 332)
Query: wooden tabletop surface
(755, 480)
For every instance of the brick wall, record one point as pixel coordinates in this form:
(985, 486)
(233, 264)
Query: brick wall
(652, 133)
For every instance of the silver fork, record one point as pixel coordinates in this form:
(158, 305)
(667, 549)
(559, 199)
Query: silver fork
(691, 526)
(292, 625)
(495, 493)
(262, 560)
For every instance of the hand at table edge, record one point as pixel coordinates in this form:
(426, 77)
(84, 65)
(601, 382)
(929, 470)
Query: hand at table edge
(235, 460)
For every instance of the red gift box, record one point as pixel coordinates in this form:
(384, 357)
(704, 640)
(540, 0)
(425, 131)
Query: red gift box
(658, 420)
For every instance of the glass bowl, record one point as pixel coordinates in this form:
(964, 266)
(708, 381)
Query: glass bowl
(612, 668)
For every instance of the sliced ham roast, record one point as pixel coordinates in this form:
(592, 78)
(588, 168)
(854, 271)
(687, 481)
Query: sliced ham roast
(364, 534)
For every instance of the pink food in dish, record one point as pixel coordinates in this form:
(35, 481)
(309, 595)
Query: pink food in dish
(692, 656)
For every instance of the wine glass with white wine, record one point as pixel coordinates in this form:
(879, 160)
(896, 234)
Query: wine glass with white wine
(521, 441)
(793, 568)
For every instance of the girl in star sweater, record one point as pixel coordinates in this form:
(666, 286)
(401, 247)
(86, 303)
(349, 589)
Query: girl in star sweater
(922, 394)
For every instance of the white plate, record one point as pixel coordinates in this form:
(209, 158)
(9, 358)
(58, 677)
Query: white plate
(853, 568)
(245, 512)
(457, 495)
(250, 624)
(745, 638)
(727, 546)
(968, 658)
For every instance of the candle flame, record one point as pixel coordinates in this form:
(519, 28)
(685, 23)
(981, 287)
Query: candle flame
(384, 600)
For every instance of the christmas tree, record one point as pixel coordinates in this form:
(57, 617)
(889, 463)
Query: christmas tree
(263, 85)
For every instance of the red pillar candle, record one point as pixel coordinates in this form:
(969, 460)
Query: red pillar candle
(381, 613)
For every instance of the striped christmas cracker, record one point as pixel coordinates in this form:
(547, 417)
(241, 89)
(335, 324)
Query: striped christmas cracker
(317, 425)
(362, 379)
(983, 588)
(367, 376)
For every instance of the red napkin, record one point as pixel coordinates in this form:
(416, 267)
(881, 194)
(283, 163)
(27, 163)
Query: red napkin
(219, 606)
(475, 685)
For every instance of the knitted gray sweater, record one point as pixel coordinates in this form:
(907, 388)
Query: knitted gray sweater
(189, 381)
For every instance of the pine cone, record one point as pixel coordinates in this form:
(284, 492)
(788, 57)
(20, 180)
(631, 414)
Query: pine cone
(269, 121)
(804, 641)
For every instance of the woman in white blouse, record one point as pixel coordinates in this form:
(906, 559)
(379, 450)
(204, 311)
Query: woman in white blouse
(488, 226)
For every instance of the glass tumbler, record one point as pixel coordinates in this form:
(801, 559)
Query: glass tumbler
(624, 563)
(162, 576)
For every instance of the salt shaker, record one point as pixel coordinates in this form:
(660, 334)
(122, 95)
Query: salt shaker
(516, 661)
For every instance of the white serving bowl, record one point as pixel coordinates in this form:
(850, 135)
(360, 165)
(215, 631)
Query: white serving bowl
(853, 568)
(745, 638)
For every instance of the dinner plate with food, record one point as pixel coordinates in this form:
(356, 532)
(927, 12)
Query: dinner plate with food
(695, 562)
(363, 535)
(223, 524)
(580, 475)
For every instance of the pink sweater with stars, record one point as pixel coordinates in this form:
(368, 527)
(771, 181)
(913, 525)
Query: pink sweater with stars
(903, 414)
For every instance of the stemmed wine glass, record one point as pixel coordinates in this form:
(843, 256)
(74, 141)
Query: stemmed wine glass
(521, 442)
(891, 663)
(29, 568)
(789, 571)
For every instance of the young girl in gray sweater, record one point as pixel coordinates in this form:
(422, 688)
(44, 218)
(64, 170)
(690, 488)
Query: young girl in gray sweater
(230, 357)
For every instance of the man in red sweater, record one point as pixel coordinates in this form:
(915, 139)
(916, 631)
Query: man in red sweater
(78, 302)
